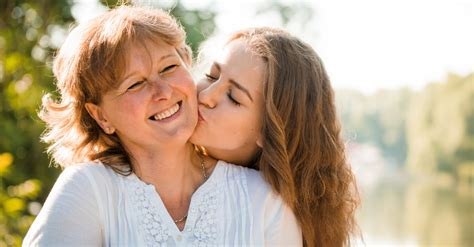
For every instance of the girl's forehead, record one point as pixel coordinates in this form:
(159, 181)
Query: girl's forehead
(239, 56)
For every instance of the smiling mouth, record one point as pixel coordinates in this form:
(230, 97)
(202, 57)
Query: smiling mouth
(167, 113)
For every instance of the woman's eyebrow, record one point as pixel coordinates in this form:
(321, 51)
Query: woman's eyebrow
(132, 73)
(235, 83)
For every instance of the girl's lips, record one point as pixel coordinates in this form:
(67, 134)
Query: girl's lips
(200, 117)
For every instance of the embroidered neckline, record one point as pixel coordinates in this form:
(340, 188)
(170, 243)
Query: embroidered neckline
(149, 217)
(202, 216)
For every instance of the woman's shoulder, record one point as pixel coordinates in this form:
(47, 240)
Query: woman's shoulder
(87, 173)
(91, 181)
(92, 168)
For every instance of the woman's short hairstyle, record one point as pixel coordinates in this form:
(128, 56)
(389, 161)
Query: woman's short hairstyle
(303, 153)
(90, 63)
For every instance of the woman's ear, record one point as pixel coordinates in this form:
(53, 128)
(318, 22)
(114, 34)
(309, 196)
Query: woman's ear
(97, 114)
(260, 141)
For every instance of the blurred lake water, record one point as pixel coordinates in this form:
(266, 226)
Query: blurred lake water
(399, 209)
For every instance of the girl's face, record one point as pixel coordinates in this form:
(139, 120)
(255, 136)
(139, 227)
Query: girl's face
(230, 105)
(155, 104)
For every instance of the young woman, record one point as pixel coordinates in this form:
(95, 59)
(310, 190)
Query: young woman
(267, 103)
(127, 107)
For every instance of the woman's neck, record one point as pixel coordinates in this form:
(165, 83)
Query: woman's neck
(175, 173)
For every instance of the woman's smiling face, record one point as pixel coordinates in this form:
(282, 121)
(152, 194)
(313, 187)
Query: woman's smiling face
(230, 103)
(155, 103)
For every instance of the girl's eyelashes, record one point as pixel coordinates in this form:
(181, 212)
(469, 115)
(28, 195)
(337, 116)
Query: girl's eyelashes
(209, 77)
(232, 99)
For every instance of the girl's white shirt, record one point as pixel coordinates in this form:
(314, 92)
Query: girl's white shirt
(91, 205)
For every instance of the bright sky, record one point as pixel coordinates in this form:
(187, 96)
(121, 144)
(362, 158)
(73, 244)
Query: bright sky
(370, 44)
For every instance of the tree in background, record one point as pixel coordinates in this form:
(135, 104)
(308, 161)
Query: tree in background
(440, 128)
(198, 23)
(428, 132)
(28, 35)
(377, 119)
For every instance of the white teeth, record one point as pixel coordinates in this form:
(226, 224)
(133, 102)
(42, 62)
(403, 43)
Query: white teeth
(168, 113)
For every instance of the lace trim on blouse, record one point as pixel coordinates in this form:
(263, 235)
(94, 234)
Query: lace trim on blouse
(203, 208)
(149, 219)
(205, 227)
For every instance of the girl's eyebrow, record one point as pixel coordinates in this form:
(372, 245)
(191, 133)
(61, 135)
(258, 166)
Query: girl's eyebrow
(235, 83)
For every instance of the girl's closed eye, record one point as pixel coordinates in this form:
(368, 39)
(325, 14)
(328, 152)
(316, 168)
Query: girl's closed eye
(211, 78)
(232, 99)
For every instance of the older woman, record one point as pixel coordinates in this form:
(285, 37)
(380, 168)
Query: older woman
(126, 110)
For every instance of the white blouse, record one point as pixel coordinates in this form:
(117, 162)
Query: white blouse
(91, 205)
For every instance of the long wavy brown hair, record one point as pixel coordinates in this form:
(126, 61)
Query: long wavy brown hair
(303, 154)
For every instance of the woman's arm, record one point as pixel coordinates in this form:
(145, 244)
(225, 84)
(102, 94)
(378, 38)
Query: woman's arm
(70, 215)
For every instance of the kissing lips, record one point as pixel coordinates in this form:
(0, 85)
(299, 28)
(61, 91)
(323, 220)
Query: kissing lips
(201, 119)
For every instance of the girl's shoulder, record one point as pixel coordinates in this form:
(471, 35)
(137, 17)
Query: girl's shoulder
(240, 173)
(250, 179)
(267, 207)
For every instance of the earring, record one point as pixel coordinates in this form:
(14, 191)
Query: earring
(109, 131)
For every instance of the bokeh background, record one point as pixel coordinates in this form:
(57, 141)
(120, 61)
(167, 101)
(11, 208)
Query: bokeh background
(403, 72)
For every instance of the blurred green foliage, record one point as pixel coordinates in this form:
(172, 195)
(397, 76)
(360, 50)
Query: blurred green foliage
(429, 132)
(440, 129)
(198, 23)
(27, 40)
(378, 119)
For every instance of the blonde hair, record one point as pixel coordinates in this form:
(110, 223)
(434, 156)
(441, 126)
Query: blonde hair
(90, 63)
(303, 154)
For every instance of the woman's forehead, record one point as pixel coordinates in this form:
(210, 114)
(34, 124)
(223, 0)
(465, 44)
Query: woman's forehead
(148, 53)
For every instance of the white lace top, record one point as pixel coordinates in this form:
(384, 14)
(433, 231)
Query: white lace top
(91, 205)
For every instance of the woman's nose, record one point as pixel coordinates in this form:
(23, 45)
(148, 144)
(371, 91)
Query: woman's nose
(161, 90)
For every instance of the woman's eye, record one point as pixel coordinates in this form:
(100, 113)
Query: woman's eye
(169, 68)
(209, 77)
(135, 85)
(232, 99)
